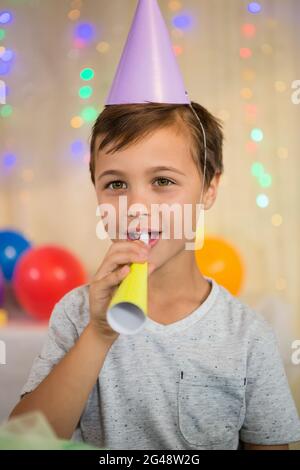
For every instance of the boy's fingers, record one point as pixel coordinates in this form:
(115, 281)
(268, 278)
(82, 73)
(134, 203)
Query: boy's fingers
(116, 261)
(113, 279)
(117, 258)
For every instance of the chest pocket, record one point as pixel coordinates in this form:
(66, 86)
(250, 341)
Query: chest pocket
(209, 410)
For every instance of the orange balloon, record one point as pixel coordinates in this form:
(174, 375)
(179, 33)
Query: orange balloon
(221, 261)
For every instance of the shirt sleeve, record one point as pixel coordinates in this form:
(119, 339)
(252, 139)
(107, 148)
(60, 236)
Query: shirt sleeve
(271, 417)
(61, 336)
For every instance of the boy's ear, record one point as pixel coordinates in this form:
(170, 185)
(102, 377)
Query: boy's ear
(212, 191)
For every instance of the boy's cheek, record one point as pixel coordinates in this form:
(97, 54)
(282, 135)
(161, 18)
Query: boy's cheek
(165, 249)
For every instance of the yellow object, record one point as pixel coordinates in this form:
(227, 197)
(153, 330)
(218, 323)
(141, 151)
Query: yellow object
(128, 309)
(221, 261)
(3, 317)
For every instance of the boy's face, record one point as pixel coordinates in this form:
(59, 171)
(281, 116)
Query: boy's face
(137, 173)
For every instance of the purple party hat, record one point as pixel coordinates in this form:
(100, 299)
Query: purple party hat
(148, 70)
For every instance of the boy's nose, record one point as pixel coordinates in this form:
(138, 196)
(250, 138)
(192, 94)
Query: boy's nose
(140, 220)
(138, 205)
(137, 213)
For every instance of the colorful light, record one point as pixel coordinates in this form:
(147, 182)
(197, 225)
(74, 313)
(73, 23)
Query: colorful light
(6, 110)
(89, 114)
(246, 93)
(79, 43)
(5, 17)
(245, 53)
(257, 169)
(85, 92)
(251, 109)
(3, 317)
(9, 160)
(262, 201)
(251, 146)
(4, 68)
(77, 148)
(103, 47)
(254, 8)
(74, 15)
(87, 74)
(2, 34)
(175, 5)
(183, 21)
(265, 180)
(276, 220)
(7, 89)
(251, 112)
(7, 55)
(257, 135)
(178, 50)
(85, 31)
(76, 122)
(249, 30)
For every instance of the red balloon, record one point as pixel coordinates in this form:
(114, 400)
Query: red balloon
(43, 275)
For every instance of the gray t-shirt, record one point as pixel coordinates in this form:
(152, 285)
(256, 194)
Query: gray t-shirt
(203, 382)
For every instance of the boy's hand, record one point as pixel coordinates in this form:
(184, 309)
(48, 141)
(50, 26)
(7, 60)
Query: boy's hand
(114, 268)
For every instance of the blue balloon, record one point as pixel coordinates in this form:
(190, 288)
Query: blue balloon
(12, 245)
(1, 289)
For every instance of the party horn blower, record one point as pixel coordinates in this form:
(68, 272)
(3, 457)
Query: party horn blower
(128, 309)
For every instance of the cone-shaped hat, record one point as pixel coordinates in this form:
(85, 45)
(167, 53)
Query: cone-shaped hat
(148, 70)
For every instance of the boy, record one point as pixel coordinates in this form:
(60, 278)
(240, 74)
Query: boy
(205, 372)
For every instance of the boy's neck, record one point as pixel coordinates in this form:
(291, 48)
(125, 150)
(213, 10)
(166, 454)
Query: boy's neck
(180, 280)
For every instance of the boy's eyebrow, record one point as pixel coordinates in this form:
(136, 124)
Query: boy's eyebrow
(150, 170)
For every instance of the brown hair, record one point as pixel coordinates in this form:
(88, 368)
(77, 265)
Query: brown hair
(126, 124)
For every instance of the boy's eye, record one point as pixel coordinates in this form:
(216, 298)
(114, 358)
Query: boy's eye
(165, 182)
(117, 185)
